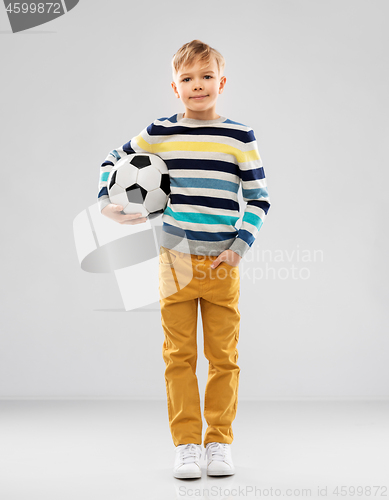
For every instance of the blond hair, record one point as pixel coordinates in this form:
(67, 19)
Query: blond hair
(194, 51)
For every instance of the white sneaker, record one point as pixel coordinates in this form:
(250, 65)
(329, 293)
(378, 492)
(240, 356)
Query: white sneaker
(219, 460)
(187, 461)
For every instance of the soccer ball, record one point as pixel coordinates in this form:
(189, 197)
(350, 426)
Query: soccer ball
(140, 183)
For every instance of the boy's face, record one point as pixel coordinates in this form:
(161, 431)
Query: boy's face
(193, 81)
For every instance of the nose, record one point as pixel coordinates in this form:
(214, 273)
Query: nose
(197, 86)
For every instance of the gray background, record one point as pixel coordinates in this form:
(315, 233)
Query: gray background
(311, 79)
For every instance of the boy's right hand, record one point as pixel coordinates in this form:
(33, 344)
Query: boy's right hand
(114, 212)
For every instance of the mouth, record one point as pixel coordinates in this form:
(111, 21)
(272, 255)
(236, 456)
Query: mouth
(199, 97)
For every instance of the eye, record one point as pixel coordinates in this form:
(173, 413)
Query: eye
(187, 78)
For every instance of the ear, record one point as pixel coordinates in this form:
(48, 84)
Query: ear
(174, 86)
(223, 80)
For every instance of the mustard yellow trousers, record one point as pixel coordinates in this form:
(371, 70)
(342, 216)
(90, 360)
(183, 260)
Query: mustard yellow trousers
(184, 281)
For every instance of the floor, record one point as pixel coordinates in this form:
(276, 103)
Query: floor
(119, 450)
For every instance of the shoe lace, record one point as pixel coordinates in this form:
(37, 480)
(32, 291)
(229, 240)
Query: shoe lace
(216, 451)
(190, 452)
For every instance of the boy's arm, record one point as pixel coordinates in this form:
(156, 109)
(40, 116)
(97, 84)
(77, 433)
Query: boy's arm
(141, 143)
(255, 193)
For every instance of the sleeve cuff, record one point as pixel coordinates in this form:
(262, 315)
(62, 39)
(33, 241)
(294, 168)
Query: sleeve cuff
(240, 247)
(103, 203)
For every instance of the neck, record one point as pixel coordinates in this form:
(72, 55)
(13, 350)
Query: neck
(201, 115)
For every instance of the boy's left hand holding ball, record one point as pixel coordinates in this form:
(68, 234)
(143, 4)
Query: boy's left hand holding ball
(228, 256)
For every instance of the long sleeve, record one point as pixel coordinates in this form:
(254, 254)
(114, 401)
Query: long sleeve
(255, 194)
(142, 143)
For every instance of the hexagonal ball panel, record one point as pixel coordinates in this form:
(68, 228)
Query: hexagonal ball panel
(118, 195)
(126, 175)
(155, 200)
(149, 178)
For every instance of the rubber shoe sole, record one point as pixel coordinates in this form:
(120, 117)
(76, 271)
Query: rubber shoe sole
(229, 472)
(185, 472)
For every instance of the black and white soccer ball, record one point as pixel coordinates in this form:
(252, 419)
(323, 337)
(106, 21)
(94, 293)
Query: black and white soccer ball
(140, 183)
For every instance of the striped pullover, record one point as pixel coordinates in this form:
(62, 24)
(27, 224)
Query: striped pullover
(207, 162)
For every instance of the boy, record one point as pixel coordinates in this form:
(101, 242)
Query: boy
(207, 156)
